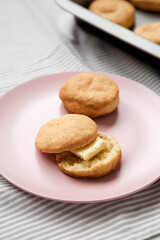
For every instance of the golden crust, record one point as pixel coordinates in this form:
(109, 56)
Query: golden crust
(66, 133)
(150, 31)
(90, 94)
(147, 5)
(103, 163)
(117, 11)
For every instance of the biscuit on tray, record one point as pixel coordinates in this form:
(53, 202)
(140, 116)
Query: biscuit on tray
(90, 94)
(117, 11)
(80, 150)
(150, 31)
(147, 5)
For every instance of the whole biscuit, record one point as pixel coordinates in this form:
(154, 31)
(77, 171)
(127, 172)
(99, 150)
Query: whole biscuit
(117, 11)
(103, 163)
(90, 94)
(150, 31)
(147, 5)
(65, 133)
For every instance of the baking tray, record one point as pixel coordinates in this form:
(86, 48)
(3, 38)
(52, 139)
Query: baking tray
(79, 9)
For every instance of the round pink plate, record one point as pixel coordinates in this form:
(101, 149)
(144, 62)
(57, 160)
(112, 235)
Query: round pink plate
(136, 126)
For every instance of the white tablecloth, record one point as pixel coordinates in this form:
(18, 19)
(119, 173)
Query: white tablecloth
(36, 39)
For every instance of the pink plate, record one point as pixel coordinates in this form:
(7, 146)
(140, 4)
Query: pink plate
(136, 126)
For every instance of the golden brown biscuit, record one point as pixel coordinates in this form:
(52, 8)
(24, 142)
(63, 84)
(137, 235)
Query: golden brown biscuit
(147, 5)
(90, 94)
(101, 164)
(65, 133)
(117, 11)
(150, 31)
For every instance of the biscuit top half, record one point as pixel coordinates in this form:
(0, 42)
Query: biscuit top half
(89, 89)
(68, 132)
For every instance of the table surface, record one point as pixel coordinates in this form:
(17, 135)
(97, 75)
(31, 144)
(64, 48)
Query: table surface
(36, 39)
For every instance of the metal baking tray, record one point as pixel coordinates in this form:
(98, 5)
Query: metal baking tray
(79, 9)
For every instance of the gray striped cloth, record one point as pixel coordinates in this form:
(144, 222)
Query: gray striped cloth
(37, 38)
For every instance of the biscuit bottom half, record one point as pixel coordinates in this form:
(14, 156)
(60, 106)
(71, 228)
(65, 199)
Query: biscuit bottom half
(103, 163)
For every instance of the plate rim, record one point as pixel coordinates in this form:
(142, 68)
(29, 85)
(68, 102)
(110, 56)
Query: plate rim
(33, 193)
(77, 72)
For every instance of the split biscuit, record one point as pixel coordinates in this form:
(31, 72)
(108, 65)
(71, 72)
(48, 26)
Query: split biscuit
(147, 5)
(101, 164)
(68, 132)
(150, 31)
(117, 11)
(90, 94)
(80, 150)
